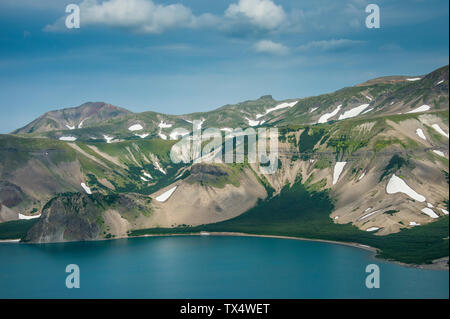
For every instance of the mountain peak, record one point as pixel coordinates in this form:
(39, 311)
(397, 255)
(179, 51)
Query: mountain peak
(74, 117)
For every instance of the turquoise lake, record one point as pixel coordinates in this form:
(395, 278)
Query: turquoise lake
(208, 267)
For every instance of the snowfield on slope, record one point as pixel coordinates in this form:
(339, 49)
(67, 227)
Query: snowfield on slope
(420, 133)
(278, 107)
(252, 122)
(68, 138)
(163, 124)
(162, 136)
(362, 176)
(422, 108)
(429, 212)
(86, 188)
(367, 111)
(165, 196)
(28, 217)
(108, 139)
(142, 135)
(368, 215)
(81, 123)
(337, 171)
(353, 112)
(438, 129)
(439, 153)
(135, 127)
(324, 118)
(398, 185)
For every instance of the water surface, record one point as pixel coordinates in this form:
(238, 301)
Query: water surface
(208, 267)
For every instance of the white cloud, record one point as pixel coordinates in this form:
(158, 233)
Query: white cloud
(267, 46)
(147, 16)
(327, 45)
(261, 13)
(139, 15)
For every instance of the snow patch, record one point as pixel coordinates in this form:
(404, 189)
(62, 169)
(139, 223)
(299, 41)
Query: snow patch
(362, 176)
(368, 215)
(226, 129)
(81, 123)
(444, 211)
(398, 185)
(430, 205)
(422, 108)
(135, 127)
(367, 111)
(420, 133)
(147, 175)
(429, 212)
(252, 122)
(163, 136)
(108, 139)
(324, 118)
(70, 127)
(441, 81)
(28, 217)
(313, 109)
(438, 129)
(278, 107)
(368, 97)
(163, 124)
(142, 135)
(353, 112)
(439, 153)
(68, 138)
(159, 168)
(372, 229)
(413, 79)
(337, 171)
(165, 196)
(86, 188)
(413, 224)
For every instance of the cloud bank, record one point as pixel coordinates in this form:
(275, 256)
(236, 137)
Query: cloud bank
(146, 16)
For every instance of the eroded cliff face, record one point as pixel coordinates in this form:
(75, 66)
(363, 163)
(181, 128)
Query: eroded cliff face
(78, 217)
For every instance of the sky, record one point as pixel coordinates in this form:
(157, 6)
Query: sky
(183, 56)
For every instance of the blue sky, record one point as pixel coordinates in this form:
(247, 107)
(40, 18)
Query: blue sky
(183, 56)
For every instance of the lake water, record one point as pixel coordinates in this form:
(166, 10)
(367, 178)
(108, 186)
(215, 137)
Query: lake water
(207, 267)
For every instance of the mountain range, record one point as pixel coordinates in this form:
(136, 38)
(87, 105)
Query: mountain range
(366, 164)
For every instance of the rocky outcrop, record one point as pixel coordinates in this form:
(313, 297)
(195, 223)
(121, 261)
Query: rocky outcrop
(79, 217)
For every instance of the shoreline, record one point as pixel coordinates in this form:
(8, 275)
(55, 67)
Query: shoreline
(438, 264)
